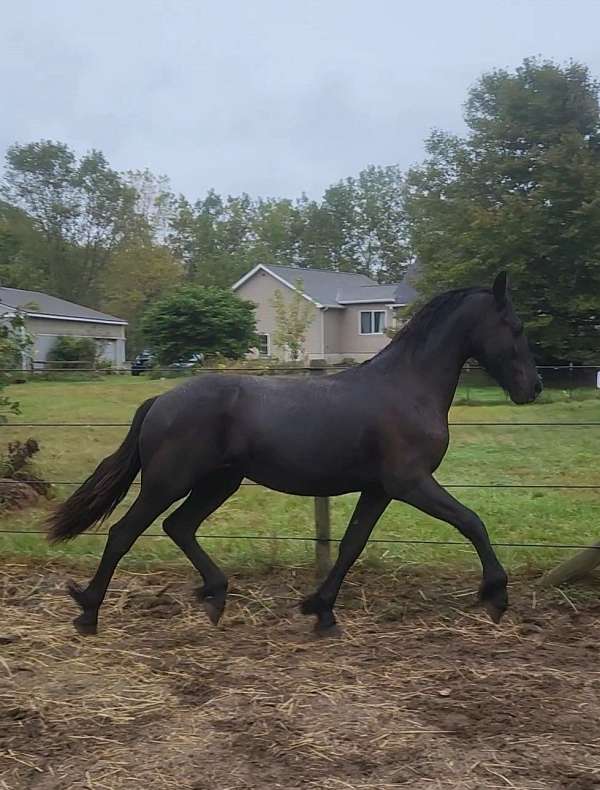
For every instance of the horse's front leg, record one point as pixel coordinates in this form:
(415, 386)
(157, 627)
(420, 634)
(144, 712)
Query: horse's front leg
(369, 508)
(429, 496)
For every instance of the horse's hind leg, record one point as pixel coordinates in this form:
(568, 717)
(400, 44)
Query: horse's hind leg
(209, 494)
(121, 537)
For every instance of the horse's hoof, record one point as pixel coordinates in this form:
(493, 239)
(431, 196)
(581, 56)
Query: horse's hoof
(85, 627)
(494, 597)
(311, 605)
(214, 609)
(495, 612)
(327, 631)
(213, 605)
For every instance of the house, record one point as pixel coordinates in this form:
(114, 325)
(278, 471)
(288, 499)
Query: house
(351, 311)
(47, 318)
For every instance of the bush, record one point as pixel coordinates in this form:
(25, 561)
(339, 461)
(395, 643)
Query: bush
(74, 353)
(192, 320)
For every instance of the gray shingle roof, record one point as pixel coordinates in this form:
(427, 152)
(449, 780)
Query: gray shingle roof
(396, 293)
(32, 302)
(333, 289)
(320, 284)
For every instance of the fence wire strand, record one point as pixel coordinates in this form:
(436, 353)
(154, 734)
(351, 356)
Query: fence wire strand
(307, 539)
(450, 424)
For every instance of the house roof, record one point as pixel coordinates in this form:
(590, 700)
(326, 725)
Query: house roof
(395, 293)
(40, 305)
(336, 289)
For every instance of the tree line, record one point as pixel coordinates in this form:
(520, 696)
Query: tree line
(520, 191)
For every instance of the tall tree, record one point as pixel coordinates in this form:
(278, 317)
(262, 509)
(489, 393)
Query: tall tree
(213, 238)
(359, 226)
(278, 227)
(21, 247)
(521, 192)
(82, 209)
(154, 201)
(137, 275)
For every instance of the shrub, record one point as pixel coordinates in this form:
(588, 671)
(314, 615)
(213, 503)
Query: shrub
(192, 320)
(74, 353)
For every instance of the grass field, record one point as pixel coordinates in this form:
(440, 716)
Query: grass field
(510, 454)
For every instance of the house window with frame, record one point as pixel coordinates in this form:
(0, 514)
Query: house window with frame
(264, 345)
(372, 322)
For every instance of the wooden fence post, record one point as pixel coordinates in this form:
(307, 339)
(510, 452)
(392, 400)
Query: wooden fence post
(323, 534)
(575, 567)
(322, 509)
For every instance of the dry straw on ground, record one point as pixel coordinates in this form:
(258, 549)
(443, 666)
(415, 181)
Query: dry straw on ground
(420, 692)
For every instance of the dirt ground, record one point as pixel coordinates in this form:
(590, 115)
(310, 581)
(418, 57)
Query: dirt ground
(420, 691)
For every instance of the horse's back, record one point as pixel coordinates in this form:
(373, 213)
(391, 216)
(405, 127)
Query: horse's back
(289, 433)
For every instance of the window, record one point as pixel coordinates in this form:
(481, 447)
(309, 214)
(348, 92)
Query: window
(263, 345)
(372, 322)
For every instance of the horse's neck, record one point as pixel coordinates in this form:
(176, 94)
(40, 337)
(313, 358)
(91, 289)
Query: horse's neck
(436, 360)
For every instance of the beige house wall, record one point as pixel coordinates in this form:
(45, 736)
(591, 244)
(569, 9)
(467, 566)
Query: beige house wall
(351, 342)
(333, 335)
(260, 289)
(332, 325)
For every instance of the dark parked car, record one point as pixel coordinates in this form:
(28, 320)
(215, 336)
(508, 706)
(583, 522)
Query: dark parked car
(144, 361)
(195, 359)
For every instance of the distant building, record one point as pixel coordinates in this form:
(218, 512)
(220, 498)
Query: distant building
(47, 318)
(352, 311)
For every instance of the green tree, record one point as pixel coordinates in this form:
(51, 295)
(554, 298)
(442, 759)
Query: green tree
(82, 209)
(193, 319)
(292, 320)
(521, 192)
(278, 227)
(213, 238)
(21, 247)
(154, 202)
(137, 274)
(15, 344)
(359, 226)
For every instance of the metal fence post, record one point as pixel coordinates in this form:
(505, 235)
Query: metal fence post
(322, 506)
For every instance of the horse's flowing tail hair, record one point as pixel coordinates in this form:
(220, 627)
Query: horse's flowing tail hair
(100, 494)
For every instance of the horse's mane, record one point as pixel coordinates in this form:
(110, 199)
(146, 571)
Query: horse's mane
(434, 313)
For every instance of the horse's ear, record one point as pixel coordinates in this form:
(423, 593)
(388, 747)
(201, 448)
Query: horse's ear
(500, 289)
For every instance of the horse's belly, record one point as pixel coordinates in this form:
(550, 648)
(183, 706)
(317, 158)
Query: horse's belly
(318, 475)
(306, 486)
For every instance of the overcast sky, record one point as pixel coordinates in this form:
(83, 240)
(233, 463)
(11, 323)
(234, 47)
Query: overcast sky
(271, 97)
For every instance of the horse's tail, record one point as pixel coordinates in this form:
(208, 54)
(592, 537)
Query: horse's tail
(99, 495)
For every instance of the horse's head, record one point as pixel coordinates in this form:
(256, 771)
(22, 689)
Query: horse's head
(500, 346)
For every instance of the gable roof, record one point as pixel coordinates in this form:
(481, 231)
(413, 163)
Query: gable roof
(326, 288)
(39, 305)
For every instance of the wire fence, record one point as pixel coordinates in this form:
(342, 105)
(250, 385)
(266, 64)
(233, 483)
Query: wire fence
(571, 375)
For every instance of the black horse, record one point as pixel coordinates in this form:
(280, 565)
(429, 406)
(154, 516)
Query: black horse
(380, 429)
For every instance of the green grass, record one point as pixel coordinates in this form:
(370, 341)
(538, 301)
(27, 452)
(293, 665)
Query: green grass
(477, 455)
